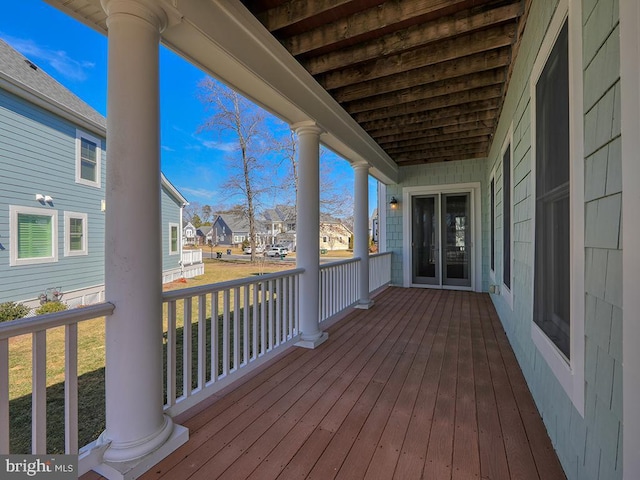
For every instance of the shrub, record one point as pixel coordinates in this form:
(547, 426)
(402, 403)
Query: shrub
(12, 311)
(51, 307)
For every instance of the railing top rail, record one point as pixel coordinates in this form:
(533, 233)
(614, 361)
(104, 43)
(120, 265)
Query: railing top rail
(23, 326)
(339, 262)
(379, 254)
(216, 287)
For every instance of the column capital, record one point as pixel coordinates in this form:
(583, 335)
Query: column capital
(159, 15)
(307, 127)
(361, 166)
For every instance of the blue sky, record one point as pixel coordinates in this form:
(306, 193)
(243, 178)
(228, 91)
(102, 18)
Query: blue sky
(76, 56)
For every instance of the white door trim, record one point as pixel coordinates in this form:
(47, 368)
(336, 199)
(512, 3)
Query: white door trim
(476, 230)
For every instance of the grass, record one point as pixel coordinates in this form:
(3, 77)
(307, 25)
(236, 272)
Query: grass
(91, 361)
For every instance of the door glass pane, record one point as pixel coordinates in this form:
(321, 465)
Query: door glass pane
(425, 253)
(456, 235)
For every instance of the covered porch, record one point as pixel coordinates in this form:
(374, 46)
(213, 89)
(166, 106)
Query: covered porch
(423, 385)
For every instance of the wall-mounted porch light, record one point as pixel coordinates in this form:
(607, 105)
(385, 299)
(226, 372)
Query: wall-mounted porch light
(393, 203)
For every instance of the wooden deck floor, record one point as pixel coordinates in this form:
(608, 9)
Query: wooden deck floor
(423, 385)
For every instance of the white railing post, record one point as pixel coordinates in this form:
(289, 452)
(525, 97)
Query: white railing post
(71, 389)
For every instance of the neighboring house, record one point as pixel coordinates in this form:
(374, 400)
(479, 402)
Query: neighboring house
(52, 207)
(280, 223)
(334, 234)
(204, 235)
(230, 229)
(188, 233)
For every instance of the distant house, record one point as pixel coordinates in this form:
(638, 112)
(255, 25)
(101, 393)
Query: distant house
(52, 207)
(204, 235)
(334, 234)
(188, 233)
(280, 223)
(230, 229)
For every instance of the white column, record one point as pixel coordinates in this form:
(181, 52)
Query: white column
(308, 233)
(361, 231)
(135, 423)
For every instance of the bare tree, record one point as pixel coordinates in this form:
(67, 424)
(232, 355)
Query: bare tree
(236, 115)
(333, 200)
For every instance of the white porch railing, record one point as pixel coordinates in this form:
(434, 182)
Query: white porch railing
(379, 270)
(189, 257)
(37, 327)
(253, 319)
(338, 287)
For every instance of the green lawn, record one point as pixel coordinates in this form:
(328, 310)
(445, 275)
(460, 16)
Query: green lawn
(91, 358)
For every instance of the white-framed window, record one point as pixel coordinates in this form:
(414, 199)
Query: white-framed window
(76, 241)
(88, 159)
(34, 235)
(174, 247)
(492, 225)
(557, 171)
(507, 218)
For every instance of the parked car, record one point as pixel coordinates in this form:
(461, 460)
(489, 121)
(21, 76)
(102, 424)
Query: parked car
(283, 248)
(259, 249)
(276, 252)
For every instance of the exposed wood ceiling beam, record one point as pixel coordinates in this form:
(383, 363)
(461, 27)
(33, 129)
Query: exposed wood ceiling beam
(423, 139)
(466, 45)
(432, 73)
(451, 158)
(453, 111)
(387, 13)
(435, 103)
(296, 11)
(438, 146)
(412, 37)
(475, 149)
(449, 131)
(479, 118)
(430, 90)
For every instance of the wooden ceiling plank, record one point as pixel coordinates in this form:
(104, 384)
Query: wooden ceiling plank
(452, 158)
(417, 118)
(464, 143)
(387, 13)
(425, 75)
(296, 11)
(445, 131)
(412, 37)
(430, 154)
(427, 139)
(473, 43)
(431, 90)
(435, 103)
(481, 119)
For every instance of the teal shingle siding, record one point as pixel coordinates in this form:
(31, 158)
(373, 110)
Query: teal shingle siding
(589, 447)
(37, 155)
(444, 173)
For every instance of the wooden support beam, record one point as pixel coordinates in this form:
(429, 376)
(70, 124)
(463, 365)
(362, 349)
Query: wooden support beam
(444, 153)
(454, 111)
(436, 141)
(463, 46)
(443, 158)
(296, 11)
(479, 118)
(451, 69)
(453, 99)
(412, 37)
(430, 90)
(387, 13)
(425, 136)
(438, 146)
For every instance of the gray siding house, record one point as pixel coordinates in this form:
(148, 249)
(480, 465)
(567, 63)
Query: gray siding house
(52, 197)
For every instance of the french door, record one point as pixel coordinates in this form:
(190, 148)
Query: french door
(441, 240)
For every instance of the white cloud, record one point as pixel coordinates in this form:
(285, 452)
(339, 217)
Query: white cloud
(222, 146)
(199, 192)
(59, 60)
(167, 149)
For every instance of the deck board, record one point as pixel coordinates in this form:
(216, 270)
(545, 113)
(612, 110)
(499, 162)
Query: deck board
(422, 385)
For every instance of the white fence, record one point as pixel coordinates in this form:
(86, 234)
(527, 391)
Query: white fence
(253, 319)
(379, 270)
(189, 257)
(338, 287)
(38, 327)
